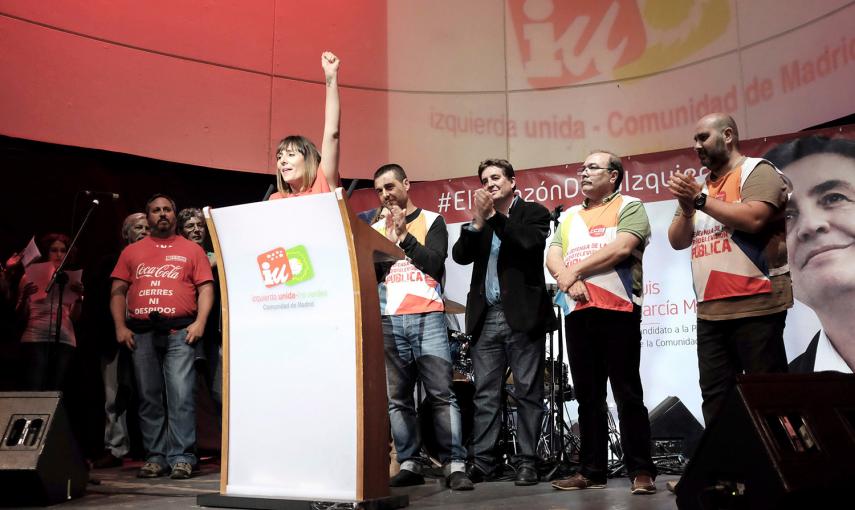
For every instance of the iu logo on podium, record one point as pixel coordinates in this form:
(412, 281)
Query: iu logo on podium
(285, 267)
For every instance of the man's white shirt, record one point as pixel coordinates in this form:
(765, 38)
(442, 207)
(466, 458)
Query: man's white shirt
(827, 357)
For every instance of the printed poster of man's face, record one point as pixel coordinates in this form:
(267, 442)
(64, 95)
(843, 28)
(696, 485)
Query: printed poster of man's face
(820, 218)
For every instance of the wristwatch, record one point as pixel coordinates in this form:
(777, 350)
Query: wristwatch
(700, 201)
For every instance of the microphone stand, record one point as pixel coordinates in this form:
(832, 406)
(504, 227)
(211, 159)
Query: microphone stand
(559, 393)
(61, 279)
(558, 435)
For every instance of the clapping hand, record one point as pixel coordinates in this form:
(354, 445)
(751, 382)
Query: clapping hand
(396, 224)
(484, 207)
(684, 189)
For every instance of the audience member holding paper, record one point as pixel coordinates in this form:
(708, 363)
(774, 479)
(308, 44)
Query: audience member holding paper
(47, 360)
(10, 276)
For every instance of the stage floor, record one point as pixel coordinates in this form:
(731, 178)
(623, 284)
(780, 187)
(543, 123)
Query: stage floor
(120, 489)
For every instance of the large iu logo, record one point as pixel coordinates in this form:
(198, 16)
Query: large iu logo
(562, 42)
(285, 267)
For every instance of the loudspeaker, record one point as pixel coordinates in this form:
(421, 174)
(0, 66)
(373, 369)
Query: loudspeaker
(671, 422)
(40, 463)
(780, 441)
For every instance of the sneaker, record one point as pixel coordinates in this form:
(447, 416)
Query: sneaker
(576, 482)
(458, 481)
(671, 485)
(181, 471)
(643, 484)
(107, 460)
(406, 478)
(151, 470)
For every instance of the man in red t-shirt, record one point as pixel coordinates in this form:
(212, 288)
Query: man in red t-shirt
(161, 295)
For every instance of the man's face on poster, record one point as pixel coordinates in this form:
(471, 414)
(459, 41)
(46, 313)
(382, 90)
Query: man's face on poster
(821, 227)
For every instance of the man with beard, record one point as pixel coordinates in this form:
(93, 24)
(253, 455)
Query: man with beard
(507, 312)
(734, 223)
(415, 336)
(160, 300)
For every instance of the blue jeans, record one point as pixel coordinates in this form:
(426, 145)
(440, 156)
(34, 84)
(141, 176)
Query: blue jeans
(416, 345)
(499, 347)
(169, 431)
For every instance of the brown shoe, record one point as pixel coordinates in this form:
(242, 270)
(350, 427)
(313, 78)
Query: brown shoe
(576, 482)
(181, 471)
(152, 470)
(643, 484)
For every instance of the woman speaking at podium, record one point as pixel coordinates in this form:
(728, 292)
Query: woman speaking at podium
(301, 170)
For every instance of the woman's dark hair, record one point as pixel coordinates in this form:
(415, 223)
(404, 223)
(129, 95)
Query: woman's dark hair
(48, 239)
(789, 152)
(504, 164)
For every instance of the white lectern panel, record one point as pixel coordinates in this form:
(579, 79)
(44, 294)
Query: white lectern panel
(291, 325)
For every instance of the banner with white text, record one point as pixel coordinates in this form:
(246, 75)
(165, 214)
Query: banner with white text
(669, 364)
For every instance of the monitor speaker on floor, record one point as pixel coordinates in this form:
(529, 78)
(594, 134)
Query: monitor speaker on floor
(40, 463)
(673, 429)
(781, 441)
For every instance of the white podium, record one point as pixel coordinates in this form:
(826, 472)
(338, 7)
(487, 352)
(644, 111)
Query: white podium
(304, 388)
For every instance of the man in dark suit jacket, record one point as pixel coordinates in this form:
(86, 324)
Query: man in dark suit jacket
(507, 311)
(804, 362)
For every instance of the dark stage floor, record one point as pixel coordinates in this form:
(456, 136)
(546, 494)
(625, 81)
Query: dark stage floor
(120, 489)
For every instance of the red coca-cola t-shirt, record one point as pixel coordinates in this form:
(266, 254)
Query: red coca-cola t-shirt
(163, 275)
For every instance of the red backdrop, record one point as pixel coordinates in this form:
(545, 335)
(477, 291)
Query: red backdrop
(214, 84)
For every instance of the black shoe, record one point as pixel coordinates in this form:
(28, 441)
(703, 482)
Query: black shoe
(406, 478)
(526, 475)
(107, 460)
(458, 481)
(475, 474)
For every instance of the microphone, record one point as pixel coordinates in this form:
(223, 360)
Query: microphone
(269, 192)
(102, 194)
(351, 188)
